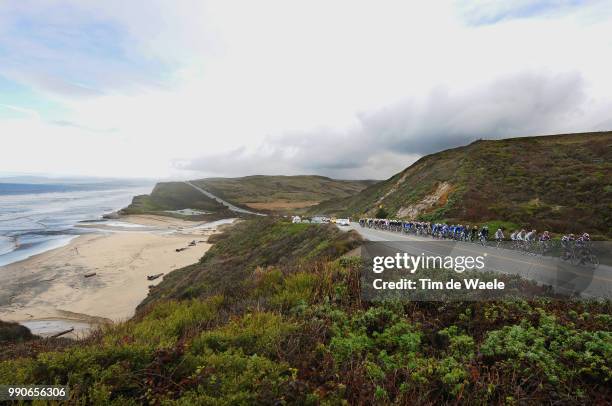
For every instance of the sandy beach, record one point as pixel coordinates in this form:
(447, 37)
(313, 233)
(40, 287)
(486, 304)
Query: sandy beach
(49, 292)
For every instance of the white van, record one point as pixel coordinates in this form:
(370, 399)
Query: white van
(343, 222)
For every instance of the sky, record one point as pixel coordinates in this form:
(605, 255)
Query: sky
(347, 89)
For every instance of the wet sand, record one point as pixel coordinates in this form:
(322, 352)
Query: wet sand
(49, 292)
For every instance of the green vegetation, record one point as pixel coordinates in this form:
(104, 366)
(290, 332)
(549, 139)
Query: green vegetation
(272, 314)
(558, 183)
(381, 213)
(254, 244)
(281, 193)
(175, 196)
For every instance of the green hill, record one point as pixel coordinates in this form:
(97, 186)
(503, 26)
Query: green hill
(169, 196)
(274, 194)
(557, 182)
(281, 193)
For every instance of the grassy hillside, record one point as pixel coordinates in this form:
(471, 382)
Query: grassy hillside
(558, 182)
(281, 193)
(257, 243)
(273, 315)
(174, 196)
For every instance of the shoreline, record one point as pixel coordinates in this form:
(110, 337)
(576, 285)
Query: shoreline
(50, 293)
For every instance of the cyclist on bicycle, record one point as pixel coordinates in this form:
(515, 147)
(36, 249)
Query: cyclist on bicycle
(445, 229)
(567, 242)
(568, 238)
(545, 236)
(466, 233)
(484, 234)
(531, 236)
(583, 250)
(459, 232)
(499, 235)
(584, 237)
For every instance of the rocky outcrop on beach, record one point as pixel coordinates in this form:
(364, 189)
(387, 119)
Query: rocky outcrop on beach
(14, 332)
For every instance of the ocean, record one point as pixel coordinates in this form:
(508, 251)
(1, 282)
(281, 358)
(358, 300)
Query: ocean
(35, 218)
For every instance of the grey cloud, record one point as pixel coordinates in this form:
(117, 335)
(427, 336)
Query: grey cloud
(524, 104)
(390, 138)
(323, 149)
(237, 162)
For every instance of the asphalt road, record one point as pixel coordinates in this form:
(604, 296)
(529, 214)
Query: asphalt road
(562, 276)
(224, 202)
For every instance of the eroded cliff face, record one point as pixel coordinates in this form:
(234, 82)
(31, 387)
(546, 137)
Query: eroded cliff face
(436, 199)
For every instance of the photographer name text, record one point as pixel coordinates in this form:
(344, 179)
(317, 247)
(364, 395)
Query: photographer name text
(429, 284)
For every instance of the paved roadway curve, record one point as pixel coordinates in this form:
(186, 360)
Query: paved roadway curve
(544, 270)
(224, 202)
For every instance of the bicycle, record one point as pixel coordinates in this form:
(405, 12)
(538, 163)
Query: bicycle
(583, 256)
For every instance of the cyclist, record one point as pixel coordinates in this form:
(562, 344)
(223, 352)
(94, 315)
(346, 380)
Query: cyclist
(583, 251)
(466, 233)
(484, 234)
(584, 237)
(529, 242)
(568, 238)
(445, 231)
(544, 243)
(567, 242)
(474, 232)
(545, 236)
(531, 236)
(499, 236)
(514, 235)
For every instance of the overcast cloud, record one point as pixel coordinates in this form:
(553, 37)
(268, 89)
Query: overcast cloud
(383, 140)
(348, 89)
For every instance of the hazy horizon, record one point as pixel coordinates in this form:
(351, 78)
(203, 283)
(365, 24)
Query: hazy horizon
(67, 178)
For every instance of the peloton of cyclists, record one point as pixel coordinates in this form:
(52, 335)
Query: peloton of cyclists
(572, 247)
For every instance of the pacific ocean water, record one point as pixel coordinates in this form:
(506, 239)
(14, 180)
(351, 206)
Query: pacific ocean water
(35, 218)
